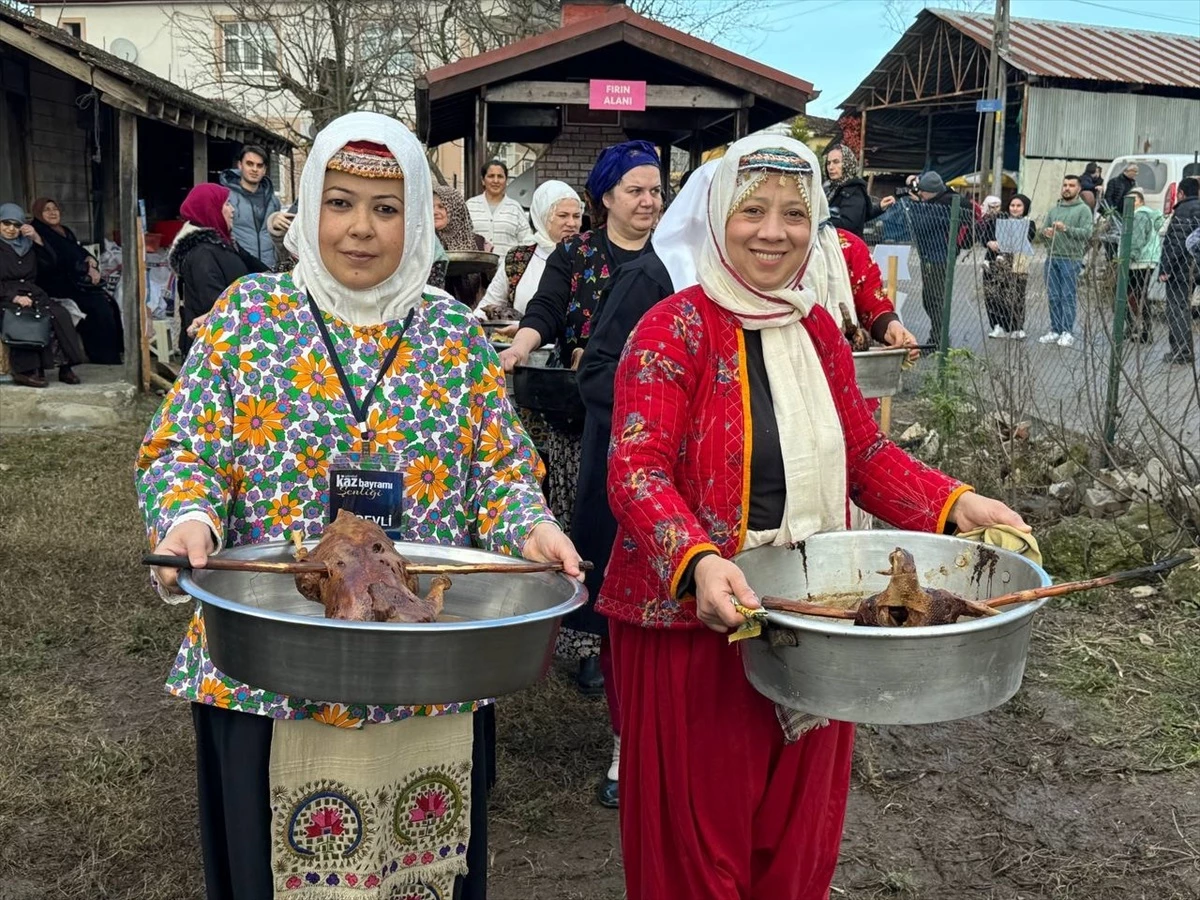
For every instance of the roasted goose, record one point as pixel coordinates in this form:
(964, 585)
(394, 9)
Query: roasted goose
(859, 337)
(905, 604)
(367, 580)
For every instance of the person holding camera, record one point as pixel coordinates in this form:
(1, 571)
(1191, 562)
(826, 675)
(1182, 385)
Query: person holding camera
(929, 218)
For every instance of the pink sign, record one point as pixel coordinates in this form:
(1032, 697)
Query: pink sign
(620, 95)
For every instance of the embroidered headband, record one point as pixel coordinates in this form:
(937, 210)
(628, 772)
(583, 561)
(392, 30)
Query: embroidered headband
(753, 169)
(367, 160)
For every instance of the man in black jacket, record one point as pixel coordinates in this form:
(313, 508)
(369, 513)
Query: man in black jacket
(929, 221)
(1178, 271)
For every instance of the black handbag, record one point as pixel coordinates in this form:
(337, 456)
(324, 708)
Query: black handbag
(26, 327)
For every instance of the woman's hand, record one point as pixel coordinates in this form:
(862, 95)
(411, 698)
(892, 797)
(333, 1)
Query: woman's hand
(513, 357)
(197, 323)
(547, 543)
(278, 223)
(993, 246)
(22, 300)
(718, 583)
(886, 202)
(30, 232)
(971, 511)
(193, 539)
(899, 336)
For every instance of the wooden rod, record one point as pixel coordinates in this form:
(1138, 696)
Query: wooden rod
(302, 568)
(804, 608)
(1070, 587)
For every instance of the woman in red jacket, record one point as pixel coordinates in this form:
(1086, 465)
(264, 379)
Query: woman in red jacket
(736, 423)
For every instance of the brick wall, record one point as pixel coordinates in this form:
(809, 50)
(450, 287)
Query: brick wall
(58, 146)
(571, 157)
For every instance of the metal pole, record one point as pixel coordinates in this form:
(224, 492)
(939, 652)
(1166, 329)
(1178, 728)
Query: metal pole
(948, 290)
(1120, 304)
(999, 47)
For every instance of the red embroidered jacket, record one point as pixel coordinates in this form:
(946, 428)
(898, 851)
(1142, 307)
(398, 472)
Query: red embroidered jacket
(871, 303)
(679, 462)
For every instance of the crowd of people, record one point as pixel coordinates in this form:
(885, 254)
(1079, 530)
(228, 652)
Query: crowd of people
(1087, 218)
(731, 420)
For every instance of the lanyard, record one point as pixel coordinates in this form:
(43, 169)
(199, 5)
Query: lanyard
(360, 410)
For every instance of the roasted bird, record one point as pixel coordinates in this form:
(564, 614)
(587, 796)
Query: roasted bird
(859, 337)
(905, 604)
(367, 580)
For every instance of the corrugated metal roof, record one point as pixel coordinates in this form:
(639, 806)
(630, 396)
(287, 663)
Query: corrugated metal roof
(1080, 50)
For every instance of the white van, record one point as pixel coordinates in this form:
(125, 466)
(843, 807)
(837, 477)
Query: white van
(1158, 175)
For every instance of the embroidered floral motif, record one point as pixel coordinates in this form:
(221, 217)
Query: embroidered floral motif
(326, 824)
(427, 809)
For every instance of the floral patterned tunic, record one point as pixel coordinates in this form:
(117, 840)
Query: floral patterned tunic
(245, 438)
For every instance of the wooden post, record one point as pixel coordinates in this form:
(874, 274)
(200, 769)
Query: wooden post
(742, 118)
(885, 405)
(128, 222)
(143, 319)
(695, 151)
(199, 157)
(476, 149)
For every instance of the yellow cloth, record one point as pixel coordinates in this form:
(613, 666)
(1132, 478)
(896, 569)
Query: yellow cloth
(1007, 538)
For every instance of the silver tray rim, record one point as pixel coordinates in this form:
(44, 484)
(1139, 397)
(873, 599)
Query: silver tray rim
(819, 626)
(412, 551)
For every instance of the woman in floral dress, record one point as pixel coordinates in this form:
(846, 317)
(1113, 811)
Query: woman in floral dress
(301, 797)
(737, 423)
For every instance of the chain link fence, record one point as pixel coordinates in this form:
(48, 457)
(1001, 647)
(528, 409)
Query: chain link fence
(1110, 389)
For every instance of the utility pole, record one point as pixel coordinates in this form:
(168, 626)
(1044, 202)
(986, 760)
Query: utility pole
(990, 171)
(998, 71)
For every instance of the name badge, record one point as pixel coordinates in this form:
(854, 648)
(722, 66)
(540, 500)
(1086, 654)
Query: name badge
(368, 487)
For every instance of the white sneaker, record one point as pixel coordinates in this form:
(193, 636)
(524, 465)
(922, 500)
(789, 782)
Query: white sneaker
(1066, 340)
(1018, 335)
(1050, 337)
(997, 332)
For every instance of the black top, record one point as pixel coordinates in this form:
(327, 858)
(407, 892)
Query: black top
(768, 484)
(66, 278)
(589, 261)
(851, 207)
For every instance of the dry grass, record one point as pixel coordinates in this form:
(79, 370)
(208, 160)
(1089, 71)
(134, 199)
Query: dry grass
(97, 775)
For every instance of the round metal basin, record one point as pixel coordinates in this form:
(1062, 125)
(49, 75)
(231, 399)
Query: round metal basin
(497, 636)
(878, 372)
(889, 676)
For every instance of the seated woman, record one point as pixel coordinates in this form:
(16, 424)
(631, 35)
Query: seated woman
(205, 258)
(557, 212)
(737, 423)
(294, 375)
(76, 276)
(22, 253)
(452, 223)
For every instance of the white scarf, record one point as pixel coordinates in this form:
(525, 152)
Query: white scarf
(393, 297)
(810, 432)
(548, 195)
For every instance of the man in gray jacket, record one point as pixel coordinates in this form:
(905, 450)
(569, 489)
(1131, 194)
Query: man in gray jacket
(253, 198)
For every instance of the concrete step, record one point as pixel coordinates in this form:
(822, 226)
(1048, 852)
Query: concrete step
(103, 398)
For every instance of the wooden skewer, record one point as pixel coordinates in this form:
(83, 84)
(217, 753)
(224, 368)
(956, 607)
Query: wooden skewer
(303, 568)
(1070, 587)
(803, 607)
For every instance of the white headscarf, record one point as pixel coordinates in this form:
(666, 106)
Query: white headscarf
(682, 231)
(392, 298)
(548, 195)
(810, 432)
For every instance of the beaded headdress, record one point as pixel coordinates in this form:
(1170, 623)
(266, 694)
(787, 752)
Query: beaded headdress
(367, 160)
(753, 169)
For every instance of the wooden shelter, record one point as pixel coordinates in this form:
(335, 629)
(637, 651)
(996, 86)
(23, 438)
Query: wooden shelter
(536, 91)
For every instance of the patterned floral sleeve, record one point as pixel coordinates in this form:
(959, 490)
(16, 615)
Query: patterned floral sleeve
(505, 494)
(874, 309)
(656, 379)
(185, 460)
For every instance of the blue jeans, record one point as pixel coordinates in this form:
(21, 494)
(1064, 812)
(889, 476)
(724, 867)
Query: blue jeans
(1062, 278)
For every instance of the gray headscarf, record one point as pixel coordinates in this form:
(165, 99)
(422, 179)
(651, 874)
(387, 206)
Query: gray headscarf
(10, 212)
(849, 168)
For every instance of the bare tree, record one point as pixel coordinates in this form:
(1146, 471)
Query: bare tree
(301, 63)
(899, 14)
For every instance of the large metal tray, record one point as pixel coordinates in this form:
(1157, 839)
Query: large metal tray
(889, 676)
(472, 262)
(878, 372)
(498, 638)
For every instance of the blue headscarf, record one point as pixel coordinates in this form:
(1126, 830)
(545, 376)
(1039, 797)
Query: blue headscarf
(10, 212)
(615, 161)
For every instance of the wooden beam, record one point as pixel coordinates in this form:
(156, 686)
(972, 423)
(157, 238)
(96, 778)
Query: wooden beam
(476, 148)
(72, 65)
(506, 116)
(576, 93)
(127, 205)
(199, 157)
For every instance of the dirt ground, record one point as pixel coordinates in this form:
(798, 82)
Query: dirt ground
(1085, 787)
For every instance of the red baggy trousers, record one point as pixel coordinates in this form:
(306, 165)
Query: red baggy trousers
(714, 804)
